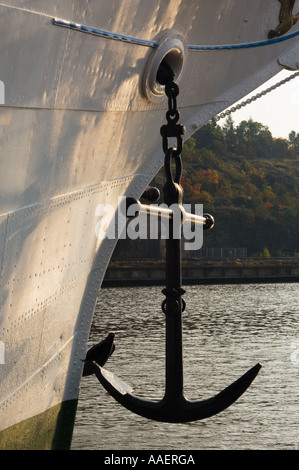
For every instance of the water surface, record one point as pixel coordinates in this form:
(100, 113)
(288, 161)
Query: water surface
(227, 329)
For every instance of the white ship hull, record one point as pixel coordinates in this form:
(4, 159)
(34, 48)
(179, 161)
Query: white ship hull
(79, 126)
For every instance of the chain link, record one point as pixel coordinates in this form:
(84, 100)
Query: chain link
(172, 189)
(172, 91)
(172, 128)
(244, 103)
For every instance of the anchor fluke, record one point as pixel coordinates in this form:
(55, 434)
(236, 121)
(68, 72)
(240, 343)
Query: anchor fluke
(174, 408)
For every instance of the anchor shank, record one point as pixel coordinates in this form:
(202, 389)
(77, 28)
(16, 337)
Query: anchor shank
(174, 355)
(173, 261)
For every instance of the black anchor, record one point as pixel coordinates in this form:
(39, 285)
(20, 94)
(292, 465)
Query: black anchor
(174, 407)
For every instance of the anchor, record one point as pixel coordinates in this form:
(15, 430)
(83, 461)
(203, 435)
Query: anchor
(174, 407)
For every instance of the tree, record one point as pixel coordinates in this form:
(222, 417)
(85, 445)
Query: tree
(207, 135)
(230, 133)
(294, 142)
(189, 150)
(248, 180)
(280, 148)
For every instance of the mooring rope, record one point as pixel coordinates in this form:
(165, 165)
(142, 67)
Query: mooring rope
(248, 45)
(144, 42)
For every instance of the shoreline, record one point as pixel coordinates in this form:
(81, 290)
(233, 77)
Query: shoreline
(197, 282)
(149, 274)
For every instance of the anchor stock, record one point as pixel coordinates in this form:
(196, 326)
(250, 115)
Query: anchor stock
(206, 220)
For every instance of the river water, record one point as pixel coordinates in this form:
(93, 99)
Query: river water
(227, 329)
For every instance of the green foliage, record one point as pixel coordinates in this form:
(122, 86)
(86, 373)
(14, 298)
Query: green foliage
(249, 181)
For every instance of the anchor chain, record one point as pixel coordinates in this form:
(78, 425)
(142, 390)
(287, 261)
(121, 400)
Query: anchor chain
(173, 193)
(248, 101)
(172, 128)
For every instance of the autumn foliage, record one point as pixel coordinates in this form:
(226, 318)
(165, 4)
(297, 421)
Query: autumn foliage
(249, 181)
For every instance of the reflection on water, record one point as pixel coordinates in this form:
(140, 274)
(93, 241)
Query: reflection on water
(226, 330)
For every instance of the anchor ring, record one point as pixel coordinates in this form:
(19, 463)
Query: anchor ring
(164, 307)
(173, 295)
